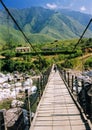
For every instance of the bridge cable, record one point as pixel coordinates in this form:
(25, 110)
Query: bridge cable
(73, 50)
(20, 29)
(80, 40)
(82, 35)
(40, 59)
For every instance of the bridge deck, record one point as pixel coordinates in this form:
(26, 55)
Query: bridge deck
(56, 110)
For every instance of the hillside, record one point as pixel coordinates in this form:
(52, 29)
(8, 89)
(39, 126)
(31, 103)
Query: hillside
(81, 17)
(44, 25)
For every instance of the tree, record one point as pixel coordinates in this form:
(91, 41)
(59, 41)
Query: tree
(8, 65)
(9, 54)
(88, 63)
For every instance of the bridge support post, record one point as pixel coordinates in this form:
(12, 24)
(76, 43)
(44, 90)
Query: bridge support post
(76, 85)
(84, 98)
(41, 84)
(39, 89)
(72, 83)
(90, 94)
(28, 107)
(68, 79)
(91, 109)
(44, 80)
(65, 75)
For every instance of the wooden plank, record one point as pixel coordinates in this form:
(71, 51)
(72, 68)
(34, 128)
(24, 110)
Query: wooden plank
(56, 110)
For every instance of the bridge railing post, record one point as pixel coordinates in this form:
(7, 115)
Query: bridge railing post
(39, 89)
(60, 70)
(62, 73)
(44, 80)
(76, 84)
(65, 75)
(90, 95)
(68, 79)
(91, 109)
(28, 107)
(41, 84)
(72, 83)
(84, 97)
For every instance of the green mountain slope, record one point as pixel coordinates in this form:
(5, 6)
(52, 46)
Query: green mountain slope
(11, 35)
(81, 17)
(43, 25)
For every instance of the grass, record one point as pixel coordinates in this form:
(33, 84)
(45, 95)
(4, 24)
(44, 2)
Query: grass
(5, 104)
(78, 63)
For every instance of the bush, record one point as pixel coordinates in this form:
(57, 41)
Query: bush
(76, 54)
(10, 66)
(9, 54)
(88, 63)
(67, 64)
(5, 104)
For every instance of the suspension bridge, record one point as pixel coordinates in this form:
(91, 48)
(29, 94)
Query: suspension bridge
(57, 109)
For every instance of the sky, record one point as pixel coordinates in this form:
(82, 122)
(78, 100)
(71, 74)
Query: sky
(84, 6)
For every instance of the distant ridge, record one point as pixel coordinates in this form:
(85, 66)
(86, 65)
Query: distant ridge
(44, 25)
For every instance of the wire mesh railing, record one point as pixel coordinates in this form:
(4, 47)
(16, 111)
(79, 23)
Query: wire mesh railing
(81, 89)
(33, 99)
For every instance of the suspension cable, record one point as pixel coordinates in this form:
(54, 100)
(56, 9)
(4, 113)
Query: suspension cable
(82, 35)
(73, 50)
(20, 29)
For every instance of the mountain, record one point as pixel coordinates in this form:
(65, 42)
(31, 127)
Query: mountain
(80, 17)
(44, 25)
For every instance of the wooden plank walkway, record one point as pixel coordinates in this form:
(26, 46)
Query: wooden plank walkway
(56, 110)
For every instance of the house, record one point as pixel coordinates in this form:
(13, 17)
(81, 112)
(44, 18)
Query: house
(22, 49)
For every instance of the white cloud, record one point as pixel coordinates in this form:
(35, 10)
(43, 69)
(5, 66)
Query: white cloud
(83, 8)
(51, 6)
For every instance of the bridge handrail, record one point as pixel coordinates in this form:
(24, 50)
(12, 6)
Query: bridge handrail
(80, 95)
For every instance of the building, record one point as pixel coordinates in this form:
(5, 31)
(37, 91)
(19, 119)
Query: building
(22, 49)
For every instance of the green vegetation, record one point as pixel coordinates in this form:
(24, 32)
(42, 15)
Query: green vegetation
(42, 25)
(46, 30)
(59, 52)
(88, 63)
(47, 36)
(5, 104)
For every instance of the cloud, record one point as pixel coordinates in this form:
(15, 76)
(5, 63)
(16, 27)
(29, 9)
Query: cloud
(51, 6)
(83, 8)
